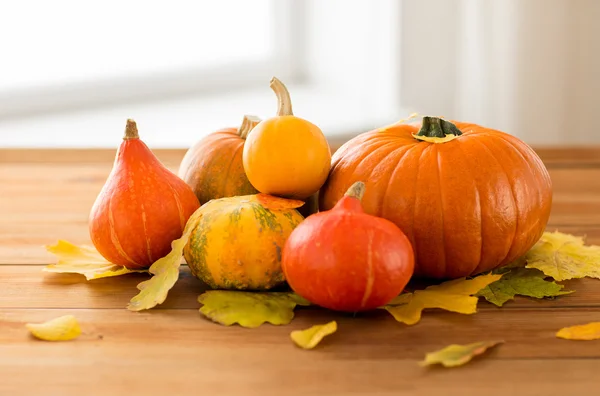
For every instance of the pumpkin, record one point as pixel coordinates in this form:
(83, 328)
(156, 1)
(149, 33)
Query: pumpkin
(213, 168)
(469, 198)
(236, 242)
(286, 155)
(141, 208)
(347, 260)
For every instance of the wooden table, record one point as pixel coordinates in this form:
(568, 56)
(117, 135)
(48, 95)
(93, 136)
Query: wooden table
(47, 195)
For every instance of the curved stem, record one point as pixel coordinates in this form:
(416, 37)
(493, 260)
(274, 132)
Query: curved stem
(284, 102)
(435, 127)
(357, 190)
(248, 123)
(131, 131)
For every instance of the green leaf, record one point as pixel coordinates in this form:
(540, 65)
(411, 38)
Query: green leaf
(521, 281)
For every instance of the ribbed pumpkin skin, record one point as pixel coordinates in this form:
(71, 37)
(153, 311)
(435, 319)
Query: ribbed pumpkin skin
(469, 205)
(213, 166)
(237, 244)
(140, 210)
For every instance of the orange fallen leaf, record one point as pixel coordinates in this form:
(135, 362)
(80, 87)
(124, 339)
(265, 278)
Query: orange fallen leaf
(590, 331)
(276, 203)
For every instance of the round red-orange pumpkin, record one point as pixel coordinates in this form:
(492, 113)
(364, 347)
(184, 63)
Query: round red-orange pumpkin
(346, 260)
(469, 198)
(213, 166)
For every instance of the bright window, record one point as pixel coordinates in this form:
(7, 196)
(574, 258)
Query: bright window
(48, 43)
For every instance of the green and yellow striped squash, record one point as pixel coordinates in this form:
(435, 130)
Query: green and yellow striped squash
(237, 242)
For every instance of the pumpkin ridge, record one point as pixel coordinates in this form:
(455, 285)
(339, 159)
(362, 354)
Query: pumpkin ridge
(514, 198)
(414, 211)
(225, 179)
(182, 219)
(470, 172)
(370, 274)
(369, 154)
(147, 237)
(366, 150)
(113, 234)
(441, 197)
(396, 168)
(525, 159)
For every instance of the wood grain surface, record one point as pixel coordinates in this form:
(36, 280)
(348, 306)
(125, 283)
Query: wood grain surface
(46, 195)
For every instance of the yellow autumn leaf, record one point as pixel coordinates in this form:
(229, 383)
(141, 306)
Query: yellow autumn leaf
(563, 256)
(590, 331)
(455, 295)
(154, 291)
(84, 260)
(457, 355)
(249, 309)
(63, 328)
(310, 338)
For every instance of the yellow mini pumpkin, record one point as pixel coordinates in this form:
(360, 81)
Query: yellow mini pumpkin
(237, 242)
(286, 155)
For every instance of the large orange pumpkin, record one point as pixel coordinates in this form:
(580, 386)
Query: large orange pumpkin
(469, 198)
(213, 166)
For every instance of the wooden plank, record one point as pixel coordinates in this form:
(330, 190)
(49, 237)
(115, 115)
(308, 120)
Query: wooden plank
(579, 156)
(54, 202)
(26, 286)
(178, 352)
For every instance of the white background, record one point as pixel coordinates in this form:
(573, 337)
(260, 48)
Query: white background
(72, 72)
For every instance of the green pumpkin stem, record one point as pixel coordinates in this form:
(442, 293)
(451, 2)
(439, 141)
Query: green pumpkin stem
(435, 127)
(284, 102)
(248, 123)
(131, 131)
(357, 190)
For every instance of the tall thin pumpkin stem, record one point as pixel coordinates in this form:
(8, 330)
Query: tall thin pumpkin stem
(284, 102)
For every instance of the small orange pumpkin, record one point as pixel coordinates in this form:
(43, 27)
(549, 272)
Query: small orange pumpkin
(286, 156)
(141, 208)
(213, 166)
(469, 198)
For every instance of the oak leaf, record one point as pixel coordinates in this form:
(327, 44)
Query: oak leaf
(249, 309)
(310, 338)
(455, 295)
(456, 355)
(63, 328)
(84, 260)
(154, 291)
(528, 282)
(564, 256)
(590, 331)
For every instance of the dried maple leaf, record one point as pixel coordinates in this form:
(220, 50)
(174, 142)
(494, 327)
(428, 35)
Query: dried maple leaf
(590, 331)
(249, 309)
(563, 256)
(310, 338)
(84, 260)
(154, 291)
(455, 295)
(457, 355)
(522, 281)
(63, 328)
